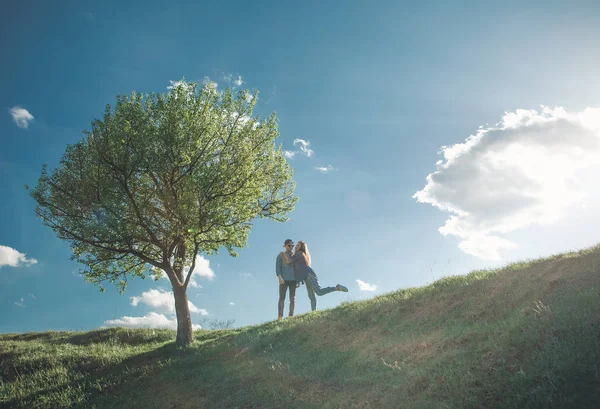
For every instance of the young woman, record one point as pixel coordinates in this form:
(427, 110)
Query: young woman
(304, 272)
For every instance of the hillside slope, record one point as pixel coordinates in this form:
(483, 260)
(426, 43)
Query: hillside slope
(524, 336)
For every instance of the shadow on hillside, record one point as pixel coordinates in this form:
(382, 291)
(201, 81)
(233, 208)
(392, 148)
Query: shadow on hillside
(111, 378)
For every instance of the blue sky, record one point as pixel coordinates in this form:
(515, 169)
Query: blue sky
(376, 89)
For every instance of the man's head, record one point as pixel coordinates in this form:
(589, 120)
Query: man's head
(288, 244)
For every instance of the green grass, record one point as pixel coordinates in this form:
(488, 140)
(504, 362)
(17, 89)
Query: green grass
(524, 336)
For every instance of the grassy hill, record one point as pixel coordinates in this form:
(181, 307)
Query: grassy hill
(524, 336)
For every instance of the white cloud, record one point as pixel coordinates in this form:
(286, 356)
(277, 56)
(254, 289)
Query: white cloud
(249, 275)
(20, 303)
(530, 168)
(366, 286)
(324, 169)
(236, 82)
(21, 116)
(162, 300)
(249, 98)
(201, 270)
(304, 146)
(150, 320)
(289, 154)
(32, 295)
(13, 258)
(231, 303)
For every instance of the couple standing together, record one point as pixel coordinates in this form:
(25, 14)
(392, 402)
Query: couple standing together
(293, 268)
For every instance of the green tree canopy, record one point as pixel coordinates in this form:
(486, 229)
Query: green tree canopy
(162, 179)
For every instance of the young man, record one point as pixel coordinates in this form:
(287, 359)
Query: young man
(284, 269)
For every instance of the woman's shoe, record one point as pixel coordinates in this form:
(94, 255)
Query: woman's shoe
(340, 287)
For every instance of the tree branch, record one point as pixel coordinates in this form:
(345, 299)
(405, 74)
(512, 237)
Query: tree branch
(69, 235)
(189, 275)
(155, 240)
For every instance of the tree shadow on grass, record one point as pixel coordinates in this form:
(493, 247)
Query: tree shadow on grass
(111, 381)
(104, 381)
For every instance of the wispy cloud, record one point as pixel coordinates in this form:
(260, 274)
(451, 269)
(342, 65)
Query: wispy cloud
(530, 168)
(175, 84)
(150, 320)
(272, 96)
(289, 154)
(366, 286)
(249, 275)
(304, 146)
(89, 16)
(32, 295)
(21, 116)
(13, 258)
(233, 80)
(20, 303)
(324, 169)
(231, 303)
(209, 84)
(162, 300)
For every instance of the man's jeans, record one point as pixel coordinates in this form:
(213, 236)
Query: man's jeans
(282, 290)
(313, 287)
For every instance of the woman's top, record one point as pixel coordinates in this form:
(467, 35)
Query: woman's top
(301, 269)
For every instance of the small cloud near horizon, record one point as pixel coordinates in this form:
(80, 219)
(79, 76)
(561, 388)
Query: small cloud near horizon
(366, 286)
(150, 320)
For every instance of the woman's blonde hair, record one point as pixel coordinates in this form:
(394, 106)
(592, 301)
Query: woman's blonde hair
(304, 249)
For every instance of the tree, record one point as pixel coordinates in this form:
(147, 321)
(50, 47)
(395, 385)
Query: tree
(162, 179)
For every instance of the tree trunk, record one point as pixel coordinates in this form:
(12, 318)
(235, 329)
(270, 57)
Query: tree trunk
(185, 335)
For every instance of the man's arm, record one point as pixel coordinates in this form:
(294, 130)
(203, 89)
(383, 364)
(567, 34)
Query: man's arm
(278, 268)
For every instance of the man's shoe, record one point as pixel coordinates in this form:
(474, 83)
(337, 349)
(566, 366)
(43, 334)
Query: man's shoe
(340, 287)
